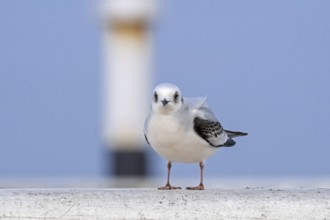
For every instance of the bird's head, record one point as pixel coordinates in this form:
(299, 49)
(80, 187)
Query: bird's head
(166, 99)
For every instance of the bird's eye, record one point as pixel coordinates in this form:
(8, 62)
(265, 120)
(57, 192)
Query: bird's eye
(176, 97)
(155, 97)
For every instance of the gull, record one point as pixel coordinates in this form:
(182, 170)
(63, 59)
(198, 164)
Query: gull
(185, 130)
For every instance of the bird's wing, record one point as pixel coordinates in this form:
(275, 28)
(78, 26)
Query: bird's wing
(198, 107)
(145, 129)
(233, 134)
(206, 125)
(196, 102)
(145, 136)
(211, 131)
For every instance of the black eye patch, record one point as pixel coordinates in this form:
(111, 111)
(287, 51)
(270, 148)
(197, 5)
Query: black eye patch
(176, 97)
(156, 97)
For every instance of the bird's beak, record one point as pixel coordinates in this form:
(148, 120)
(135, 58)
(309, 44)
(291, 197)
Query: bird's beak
(164, 101)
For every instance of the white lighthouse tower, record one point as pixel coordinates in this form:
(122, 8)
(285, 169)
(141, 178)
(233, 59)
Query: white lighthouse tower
(127, 64)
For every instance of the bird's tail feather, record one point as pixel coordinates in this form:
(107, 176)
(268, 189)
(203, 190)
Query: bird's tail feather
(233, 134)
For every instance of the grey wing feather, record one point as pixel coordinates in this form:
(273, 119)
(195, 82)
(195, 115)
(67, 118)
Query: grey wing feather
(211, 131)
(206, 125)
(200, 107)
(195, 102)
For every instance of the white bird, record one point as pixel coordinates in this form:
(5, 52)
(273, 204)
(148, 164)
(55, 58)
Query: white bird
(184, 130)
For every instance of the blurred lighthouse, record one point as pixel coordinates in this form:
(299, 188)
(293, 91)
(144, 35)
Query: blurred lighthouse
(127, 63)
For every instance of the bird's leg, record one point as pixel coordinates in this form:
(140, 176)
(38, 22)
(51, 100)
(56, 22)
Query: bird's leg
(201, 185)
(168, 185)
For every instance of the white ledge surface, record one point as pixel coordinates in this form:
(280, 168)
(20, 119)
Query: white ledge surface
(248, 203)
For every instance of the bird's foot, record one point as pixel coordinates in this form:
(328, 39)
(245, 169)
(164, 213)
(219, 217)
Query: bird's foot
(168, 187)
(199, 187)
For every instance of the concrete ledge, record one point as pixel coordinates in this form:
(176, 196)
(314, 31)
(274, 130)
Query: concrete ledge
(248, 203)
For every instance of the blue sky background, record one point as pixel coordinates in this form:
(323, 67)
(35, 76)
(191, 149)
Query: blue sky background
(265, 66)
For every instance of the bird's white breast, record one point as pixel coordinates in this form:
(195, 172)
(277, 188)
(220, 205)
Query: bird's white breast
(174, 139)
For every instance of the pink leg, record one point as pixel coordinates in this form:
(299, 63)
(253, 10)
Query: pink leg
(168, 185)
(201, 185)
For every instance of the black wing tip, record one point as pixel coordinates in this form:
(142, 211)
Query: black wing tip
(229, 143)
(145, 136)
(233, 134)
